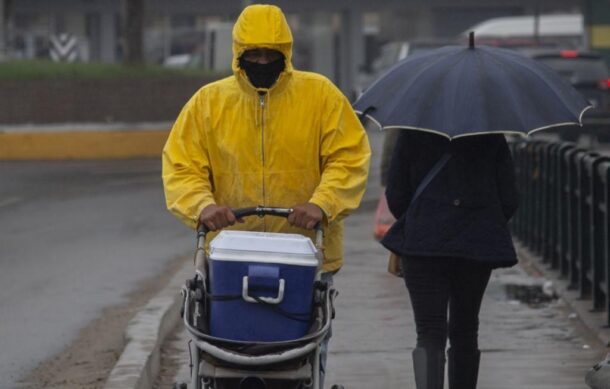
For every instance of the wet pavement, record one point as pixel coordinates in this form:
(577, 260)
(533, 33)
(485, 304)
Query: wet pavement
(534, 346)
(76, 237)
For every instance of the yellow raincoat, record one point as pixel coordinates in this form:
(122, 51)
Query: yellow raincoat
(296, 142)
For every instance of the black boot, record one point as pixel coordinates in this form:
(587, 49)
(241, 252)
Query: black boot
(463, 369)
(429, 368)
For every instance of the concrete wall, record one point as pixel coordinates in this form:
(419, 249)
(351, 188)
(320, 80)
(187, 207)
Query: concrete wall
(89, 119)
(110, 100)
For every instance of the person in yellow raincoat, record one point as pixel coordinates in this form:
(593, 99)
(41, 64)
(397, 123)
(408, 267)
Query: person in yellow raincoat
(267, 135)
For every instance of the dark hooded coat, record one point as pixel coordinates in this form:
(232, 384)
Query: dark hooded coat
(464, 210)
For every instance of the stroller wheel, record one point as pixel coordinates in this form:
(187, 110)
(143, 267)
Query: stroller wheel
(337, 387)
(180, 385)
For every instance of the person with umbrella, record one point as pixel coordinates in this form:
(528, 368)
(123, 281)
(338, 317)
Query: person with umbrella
(451, 185)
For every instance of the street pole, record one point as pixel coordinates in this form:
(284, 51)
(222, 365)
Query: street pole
(2, 30)
(537, 23)
(134, 23)
(587, 17)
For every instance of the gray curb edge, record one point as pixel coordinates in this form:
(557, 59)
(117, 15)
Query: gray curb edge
(138, 365)
(593, 321)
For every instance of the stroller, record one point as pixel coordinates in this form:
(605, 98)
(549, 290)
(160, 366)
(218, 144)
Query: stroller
(221, 363)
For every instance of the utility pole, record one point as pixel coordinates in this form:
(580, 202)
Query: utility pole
(134, 25)
(2, 33)
(3, 29)
(537, 23)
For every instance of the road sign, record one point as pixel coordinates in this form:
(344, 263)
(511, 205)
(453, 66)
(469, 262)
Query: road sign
(64, 48)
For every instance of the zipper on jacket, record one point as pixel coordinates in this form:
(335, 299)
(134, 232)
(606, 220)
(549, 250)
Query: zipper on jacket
(261, 99)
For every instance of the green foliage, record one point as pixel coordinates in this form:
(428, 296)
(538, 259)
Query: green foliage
(23, 70)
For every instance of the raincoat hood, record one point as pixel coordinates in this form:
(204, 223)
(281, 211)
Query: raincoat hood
(261, 26)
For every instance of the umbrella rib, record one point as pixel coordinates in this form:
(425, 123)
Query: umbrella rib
(543, 78)
(426, 68)
(417, 129)
(502, 66)
(579, 123)
(484, 85)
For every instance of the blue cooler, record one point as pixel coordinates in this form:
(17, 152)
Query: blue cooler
(262, 285)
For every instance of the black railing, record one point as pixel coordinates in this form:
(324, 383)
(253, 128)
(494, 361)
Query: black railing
(564, 215)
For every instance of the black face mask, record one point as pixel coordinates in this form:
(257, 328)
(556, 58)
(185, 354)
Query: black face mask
(262, 75)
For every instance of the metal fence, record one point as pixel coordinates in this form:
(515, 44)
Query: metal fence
(564, 215)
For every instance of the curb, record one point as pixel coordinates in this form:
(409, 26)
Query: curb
(593, 321)
(84, 144)
(138, 365)
(84, 127)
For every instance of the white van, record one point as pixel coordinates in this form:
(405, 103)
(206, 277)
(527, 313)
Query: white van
(560, 30)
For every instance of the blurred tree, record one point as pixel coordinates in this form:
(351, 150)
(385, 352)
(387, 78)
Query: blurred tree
(134, 22)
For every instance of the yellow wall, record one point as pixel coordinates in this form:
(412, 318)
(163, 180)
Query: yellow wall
(81, 145)
(600, 36)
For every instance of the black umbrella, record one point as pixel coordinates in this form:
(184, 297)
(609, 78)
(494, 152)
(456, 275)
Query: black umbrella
(458, 91)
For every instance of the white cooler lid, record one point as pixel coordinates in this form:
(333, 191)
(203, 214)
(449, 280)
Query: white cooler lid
(267, 247)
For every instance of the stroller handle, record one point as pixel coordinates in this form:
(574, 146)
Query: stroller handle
(259, 211)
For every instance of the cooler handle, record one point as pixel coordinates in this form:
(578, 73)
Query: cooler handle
(269, 300)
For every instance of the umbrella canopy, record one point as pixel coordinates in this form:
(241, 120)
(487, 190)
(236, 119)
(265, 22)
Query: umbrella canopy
(459, 91)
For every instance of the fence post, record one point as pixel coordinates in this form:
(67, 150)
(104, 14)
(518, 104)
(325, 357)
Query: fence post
(584, 263)
(515, 147)
(552, 211)
(538, 198)
(522, 179)
(561, 248)
(573, 158)
(523, 185)
(546, 200)
(601, 267)
(599, 230)
(533, 175)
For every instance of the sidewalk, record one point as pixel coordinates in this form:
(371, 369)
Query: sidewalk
(374, 333)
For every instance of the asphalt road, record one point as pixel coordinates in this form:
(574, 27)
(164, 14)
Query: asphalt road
(75, 237)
